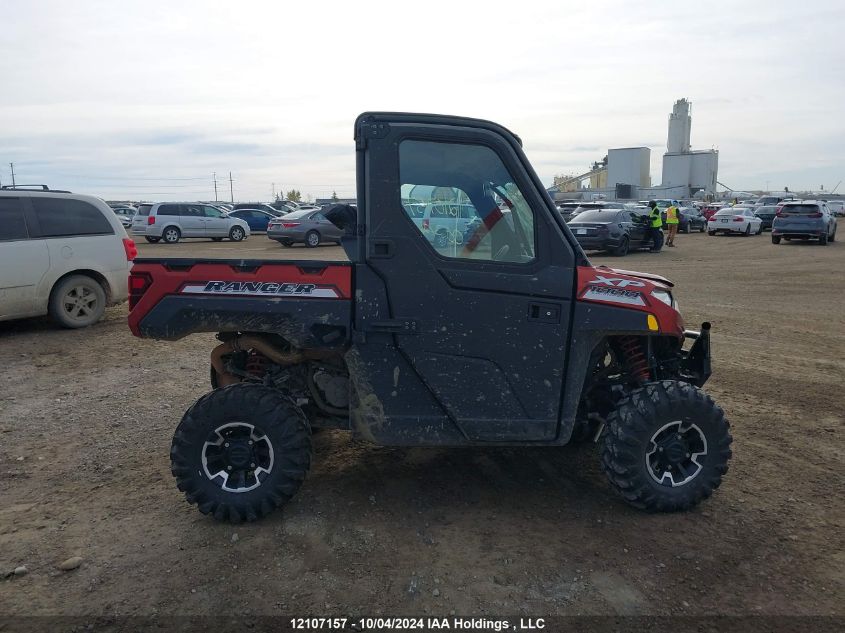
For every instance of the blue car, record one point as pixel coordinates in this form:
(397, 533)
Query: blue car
(257, 219)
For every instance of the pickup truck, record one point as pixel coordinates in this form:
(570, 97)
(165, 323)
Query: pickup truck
(510, 337)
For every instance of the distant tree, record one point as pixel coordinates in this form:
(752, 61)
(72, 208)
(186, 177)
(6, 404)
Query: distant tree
(334, 196)
(293, 195)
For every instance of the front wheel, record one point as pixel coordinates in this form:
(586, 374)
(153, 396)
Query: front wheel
(237, 234)
(666, 446)
(241, 452)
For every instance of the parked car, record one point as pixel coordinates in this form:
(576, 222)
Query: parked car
(61, 254)
(171, 221)
(445, 223)
(566, 208)
(309, 227)
(614, 230)
(257, 219)
(709, 210)
(804, 220)
(125, 215)
(285, 206)
(767, 214)
(689, 220)
(837, 207)
(254, 205)
(735, 220)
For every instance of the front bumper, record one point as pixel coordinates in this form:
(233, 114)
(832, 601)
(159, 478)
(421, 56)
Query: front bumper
(695, 362)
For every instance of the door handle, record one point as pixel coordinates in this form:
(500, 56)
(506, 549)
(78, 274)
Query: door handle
(544, 312)
(393, 326)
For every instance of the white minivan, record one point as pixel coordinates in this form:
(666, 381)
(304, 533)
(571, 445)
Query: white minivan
(61, 254)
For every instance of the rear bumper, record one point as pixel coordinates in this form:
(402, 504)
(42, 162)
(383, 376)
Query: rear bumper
(812, 234)
(695, 362)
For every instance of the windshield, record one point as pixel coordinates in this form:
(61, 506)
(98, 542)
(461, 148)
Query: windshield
(597, 215)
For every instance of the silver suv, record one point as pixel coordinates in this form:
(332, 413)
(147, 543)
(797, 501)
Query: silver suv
(171, 221)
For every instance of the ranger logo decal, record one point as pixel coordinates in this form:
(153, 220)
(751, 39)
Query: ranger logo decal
(260, 289)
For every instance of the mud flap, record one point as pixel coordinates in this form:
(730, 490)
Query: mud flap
(695, 363)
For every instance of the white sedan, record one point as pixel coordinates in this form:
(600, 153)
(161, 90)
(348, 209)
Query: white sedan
(735, 220)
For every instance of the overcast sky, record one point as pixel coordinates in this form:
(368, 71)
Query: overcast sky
(144, 100)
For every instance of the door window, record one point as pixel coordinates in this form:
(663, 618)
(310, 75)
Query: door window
(211, 212)
(12, 222)
(192, 211)
(60, 217)
(465, 202)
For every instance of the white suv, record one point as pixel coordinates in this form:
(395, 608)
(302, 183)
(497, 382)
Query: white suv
(171, 221)
(62, 254)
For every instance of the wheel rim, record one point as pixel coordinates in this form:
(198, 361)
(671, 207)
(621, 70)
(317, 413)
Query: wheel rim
(80, 303)
(237, 457)
(237, 234)
(313, 239)
(675, 452)
(171, 235)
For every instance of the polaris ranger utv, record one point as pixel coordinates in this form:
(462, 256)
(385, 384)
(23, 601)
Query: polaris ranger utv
(500, 333)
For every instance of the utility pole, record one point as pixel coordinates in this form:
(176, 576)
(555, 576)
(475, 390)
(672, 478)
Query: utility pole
(12, 165)
(214, 177)
(273, 189)
(231, 191)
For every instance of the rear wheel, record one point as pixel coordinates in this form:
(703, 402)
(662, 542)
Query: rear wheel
(775, 239)
(823, 239)
(286, 243)
(216, 239)
(747, 230)
(701, 229)
(622, 249)
(312, 239)
(666, 447)
(171, 235)
(241, 452)
(687, 228)
(711, 232)
(77, 301)
(152, 240)
(760, 230)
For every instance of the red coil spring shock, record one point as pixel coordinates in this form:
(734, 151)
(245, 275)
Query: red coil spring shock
(256, 363)
(634, 358)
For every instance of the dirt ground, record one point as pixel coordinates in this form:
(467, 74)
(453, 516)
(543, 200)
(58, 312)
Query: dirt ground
(86, 419)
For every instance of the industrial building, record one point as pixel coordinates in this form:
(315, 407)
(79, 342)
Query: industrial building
(625, 172)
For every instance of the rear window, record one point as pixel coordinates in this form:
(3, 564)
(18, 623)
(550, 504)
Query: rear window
(800, 209)
(298, 214)
(12, 222)
(144, 209)
(597, 215)
(730, 212)
(59, 217)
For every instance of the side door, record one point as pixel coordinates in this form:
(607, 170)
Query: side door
(24, 260)
(216, 224)
(328, 230)
(639, 229)
(192, 219)
(480, 328)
